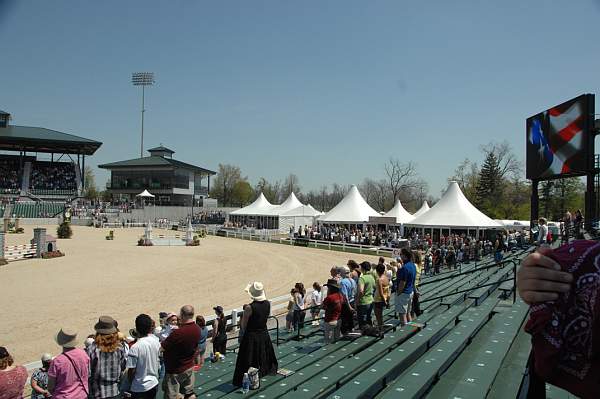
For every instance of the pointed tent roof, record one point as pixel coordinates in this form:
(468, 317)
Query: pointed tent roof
(145, 194)
(454, 210)
(352, 209)
(398, 212)
(424, 208)
(260, 207)
(289, 204)
(303, 210)
(318, 212)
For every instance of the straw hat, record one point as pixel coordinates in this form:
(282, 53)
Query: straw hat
(256, 291)
(66, 338)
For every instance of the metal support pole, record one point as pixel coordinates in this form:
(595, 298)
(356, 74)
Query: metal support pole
(143, 110)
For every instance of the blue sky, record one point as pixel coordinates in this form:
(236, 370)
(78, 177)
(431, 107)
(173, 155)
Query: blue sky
(326, 90)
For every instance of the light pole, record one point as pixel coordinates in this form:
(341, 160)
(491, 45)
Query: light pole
(142, 79)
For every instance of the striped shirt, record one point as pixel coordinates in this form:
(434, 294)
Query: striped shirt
(106, 371)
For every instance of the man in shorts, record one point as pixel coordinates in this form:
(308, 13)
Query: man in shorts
(180, 350)
(405, 286)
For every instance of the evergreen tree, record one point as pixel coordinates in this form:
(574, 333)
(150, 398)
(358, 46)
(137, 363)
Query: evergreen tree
(489, 185)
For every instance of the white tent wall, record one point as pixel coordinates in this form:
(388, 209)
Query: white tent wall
(285, 222)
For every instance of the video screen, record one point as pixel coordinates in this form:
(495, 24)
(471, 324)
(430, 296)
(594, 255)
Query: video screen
(557, 139)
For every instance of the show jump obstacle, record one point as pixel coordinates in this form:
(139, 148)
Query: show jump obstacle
(190, 239)
(39, 245)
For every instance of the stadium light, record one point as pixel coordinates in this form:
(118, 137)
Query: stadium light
(142, 79)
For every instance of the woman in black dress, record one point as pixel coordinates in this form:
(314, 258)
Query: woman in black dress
(256, 349)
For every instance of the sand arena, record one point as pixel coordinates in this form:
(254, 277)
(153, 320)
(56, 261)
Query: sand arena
(121, 279)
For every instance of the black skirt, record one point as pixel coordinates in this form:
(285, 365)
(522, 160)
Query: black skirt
(256, 350)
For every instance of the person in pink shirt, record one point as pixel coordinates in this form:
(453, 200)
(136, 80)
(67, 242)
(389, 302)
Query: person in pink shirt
(69, 371)
(12, 377)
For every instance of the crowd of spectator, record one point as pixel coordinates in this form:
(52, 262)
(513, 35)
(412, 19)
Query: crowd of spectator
(9, 174)
(53, 176)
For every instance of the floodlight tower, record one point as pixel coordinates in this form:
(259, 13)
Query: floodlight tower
(142, 79)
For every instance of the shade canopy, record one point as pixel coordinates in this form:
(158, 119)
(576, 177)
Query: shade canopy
(352, 209)
(145, 194)
(454, 210)
(260, 207)
(289, 204)
(424, 208)
(399, 213)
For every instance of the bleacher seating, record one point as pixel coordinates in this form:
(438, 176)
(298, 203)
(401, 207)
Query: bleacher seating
(466, 345)
(10, 178)
(37, 209)
(53, 178)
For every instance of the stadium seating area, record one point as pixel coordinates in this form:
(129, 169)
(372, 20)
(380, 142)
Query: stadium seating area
(58, 178)
(37, 209)
(468, 343)
(10, 181)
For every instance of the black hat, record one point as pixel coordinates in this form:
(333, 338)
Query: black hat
(218, 309)
(333, 283)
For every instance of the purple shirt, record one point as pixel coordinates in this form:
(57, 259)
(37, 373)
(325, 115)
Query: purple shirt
(68, 385)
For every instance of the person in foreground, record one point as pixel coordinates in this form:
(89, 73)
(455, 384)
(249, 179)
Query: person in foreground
(180, 349)
(69, 372)
(12, 377)
(256, 348)
(143, 360)
(563, 288)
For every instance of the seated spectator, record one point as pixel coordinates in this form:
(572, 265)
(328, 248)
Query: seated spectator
(12, 378)
(143, 360)
(68, 373)
(39, 379)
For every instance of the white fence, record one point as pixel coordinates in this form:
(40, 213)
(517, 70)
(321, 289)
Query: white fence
(18, 252)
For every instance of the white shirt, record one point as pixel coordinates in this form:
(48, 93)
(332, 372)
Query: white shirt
(143, 357)
(316, 298)
(543, 234)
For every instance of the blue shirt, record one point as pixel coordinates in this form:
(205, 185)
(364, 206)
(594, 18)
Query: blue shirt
(348, 288)
(407, 273)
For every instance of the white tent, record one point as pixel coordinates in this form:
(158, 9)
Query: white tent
(514, 224)
(399, 213)
(454, 210)
(424, 208)
(352, 209)
(260, 207)
(145, 194)
(304, 215)
(289, 204)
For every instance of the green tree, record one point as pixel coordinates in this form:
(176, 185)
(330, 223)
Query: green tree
(467, 177)
(272, 191)
(559, 196)
(90, 191)
(242, 193)
(224, 182)
(489, 186)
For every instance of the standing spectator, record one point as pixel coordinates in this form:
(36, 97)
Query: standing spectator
(315, 303)
(299, 312)
(333, 310)
(143, 360)
(12, 378)
(348, 288)
(169, 325)
(108, 355)
(354, 270)
(405, 280)
(416, 303)
(219, 338)
(543, 232)
(202, 343)
(180, 350)
(578, 225)
(382, 294)
(366, 288)
(289, 317)
(256, 348)
(68, 373)
(39, 379)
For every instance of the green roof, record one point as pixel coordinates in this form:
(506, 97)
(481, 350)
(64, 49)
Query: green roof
(154, 161)
(161, 149)
(39, 139)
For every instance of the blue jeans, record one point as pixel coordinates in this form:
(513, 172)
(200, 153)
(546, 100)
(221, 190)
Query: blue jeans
(364, 314)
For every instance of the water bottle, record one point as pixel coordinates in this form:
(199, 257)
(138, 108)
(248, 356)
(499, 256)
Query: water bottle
(245, 383)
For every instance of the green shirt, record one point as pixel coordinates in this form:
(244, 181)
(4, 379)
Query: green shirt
(368, 282)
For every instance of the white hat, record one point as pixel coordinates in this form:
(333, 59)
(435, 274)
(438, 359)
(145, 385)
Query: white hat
(46, 357)
(256, 291)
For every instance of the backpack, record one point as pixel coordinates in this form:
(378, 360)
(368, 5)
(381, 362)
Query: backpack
(254, 378)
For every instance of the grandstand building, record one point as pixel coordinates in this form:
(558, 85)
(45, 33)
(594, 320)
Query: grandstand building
(40, 169)
(172, 182)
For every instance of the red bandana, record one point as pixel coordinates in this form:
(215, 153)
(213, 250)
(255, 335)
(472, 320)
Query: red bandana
(566, 333)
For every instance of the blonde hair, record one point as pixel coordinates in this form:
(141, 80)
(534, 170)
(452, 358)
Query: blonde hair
(6, 362)
(108, 342)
